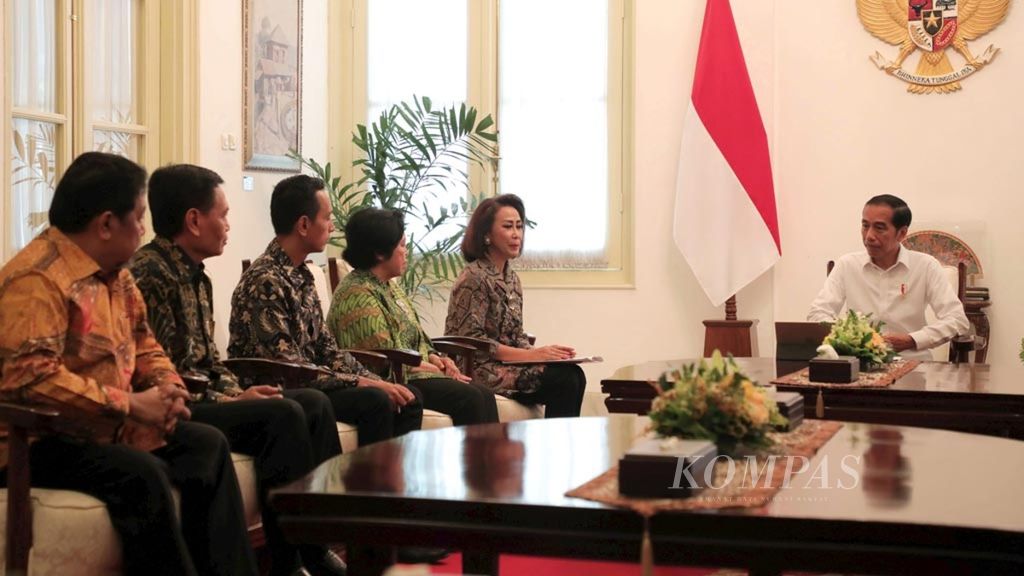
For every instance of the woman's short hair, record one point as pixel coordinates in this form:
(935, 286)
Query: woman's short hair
(372, 232)
(481, 222)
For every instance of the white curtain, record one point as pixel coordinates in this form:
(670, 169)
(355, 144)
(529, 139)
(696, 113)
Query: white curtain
(34, 144)
(111, 40)
(553, 121)
(418, 47)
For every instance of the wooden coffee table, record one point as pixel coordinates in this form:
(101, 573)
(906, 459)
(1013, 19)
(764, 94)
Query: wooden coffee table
(961, 397)
(923, 498)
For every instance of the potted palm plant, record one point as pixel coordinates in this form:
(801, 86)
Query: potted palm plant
(409, 156)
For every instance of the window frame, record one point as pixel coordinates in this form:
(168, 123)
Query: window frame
(166, 84)
(347, 82)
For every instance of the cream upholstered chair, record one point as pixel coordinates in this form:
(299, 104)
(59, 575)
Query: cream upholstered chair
(64, 533)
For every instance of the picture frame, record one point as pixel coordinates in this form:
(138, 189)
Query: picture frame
(272, 101)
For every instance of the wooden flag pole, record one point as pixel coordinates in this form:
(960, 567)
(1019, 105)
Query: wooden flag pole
(731, 336)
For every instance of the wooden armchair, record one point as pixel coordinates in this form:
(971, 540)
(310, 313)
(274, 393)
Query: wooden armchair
(462, 349)
(22, 422)
(294, 375)
(961, 346)
(58, 511)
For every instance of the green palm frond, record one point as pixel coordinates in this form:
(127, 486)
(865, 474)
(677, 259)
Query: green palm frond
(409, 153)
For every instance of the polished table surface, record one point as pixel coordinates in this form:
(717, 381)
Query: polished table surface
(905, 497)
(965, 397)
(928, 376)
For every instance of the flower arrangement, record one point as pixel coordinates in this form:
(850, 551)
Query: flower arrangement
(714, 401)
(856, 335)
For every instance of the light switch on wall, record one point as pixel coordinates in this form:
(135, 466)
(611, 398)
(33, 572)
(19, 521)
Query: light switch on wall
(247, 183)
(228, 141)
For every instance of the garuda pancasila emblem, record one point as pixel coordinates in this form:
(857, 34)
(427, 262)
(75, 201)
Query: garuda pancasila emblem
(932, 26)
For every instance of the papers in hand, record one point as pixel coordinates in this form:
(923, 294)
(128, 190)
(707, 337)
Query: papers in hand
(576, 360)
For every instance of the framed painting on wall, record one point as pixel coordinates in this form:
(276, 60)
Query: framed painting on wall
(272, 57)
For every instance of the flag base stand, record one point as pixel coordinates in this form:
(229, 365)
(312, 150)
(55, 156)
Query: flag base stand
(731, 336)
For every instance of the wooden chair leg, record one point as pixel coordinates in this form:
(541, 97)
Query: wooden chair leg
(19, 504)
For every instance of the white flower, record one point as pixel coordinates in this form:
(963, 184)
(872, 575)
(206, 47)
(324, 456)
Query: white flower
(827, 352)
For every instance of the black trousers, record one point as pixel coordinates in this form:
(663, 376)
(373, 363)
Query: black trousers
(287, 438)
(211, 537)
(320, 420)
(465, 403)
(371, 410)
(561, 391)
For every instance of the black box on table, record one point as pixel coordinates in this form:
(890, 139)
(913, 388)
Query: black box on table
(843, 370)
(791, 406)
(665, 467)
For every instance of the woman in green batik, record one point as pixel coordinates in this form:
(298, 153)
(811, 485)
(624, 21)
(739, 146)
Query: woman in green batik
(368, 310)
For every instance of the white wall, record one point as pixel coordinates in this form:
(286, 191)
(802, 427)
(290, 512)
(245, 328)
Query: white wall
(847, 131)
(840, 131)
(220, 109)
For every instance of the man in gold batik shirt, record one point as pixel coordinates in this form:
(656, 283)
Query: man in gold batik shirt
(75, 338)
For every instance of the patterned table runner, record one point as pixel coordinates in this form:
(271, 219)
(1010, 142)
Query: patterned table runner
(874, 379)
(805, 441)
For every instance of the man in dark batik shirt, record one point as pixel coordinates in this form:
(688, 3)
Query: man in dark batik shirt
(276, 314)
(286, 432)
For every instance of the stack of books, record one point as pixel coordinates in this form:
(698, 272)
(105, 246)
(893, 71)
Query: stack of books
(976, 294)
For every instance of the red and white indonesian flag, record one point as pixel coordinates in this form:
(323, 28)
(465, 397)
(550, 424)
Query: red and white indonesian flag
(725, 223)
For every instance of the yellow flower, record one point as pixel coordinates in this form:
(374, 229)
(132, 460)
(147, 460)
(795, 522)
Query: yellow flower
(877, 341)
(755, 403)
(714, 399)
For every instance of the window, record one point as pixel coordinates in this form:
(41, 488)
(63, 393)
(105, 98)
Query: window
(77, 84)
(393, 33)
(39, 122)
(556, 76)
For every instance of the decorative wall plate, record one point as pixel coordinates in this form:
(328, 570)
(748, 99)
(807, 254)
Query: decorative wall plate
(947, 248)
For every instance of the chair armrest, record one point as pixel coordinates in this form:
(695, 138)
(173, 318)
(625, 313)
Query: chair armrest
(262, 370)
(373, 361)
(196, 384)
(960, 347)
(389, 361)
(463, 354)
(30, 418)
(401, 356)
(452, 348)
(475, 343)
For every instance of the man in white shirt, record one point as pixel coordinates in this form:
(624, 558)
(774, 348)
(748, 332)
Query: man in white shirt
(893, 284)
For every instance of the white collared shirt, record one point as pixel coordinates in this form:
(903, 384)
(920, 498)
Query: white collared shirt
(897, 296)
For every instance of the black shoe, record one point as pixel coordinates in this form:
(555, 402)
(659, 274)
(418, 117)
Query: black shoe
(420, 555)
(325, 564)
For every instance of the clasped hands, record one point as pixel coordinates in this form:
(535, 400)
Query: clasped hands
(444, 365)
(160, 407)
